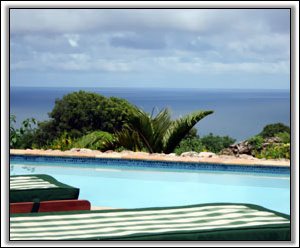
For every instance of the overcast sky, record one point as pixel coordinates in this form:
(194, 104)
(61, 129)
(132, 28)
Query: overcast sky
(200, 48)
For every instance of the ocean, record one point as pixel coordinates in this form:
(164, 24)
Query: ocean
(237, 113)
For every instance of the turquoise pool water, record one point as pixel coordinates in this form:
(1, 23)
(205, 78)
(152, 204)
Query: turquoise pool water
(136, 187)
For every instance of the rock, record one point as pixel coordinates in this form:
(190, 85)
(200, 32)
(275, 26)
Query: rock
(158, 154)
(109, 151)
(272, 140)
(75, 150)
(244, 148)
(245, 156)
(207, 154)
(189, 154)
(85, 150)
(241, 148)
(227, 151)
(171, 155)
(126, 152)
(142, 153)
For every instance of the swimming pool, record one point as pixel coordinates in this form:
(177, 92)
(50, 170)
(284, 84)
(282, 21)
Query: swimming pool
(109, 183)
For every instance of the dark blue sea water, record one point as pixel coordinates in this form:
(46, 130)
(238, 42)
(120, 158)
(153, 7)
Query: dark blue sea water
(237, 113)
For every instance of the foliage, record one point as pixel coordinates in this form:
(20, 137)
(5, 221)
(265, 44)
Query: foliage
(256, 142)
(23, 137)
(215, 143)
(284, 137)
(192, 134)
(180, 128)
(156, 133)
(81, 112)
(272, 129)
(262, 149)
(64, 142)
(275, 151)
(189, 144)
(13, 134)
(94, 140)
(45, 134)
(127, 139)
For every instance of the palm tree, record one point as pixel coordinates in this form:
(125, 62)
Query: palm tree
(155, 133)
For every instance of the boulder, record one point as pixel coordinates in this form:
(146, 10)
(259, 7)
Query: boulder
(189, 154)
(272, 140)
(75, 150)
(207, 154)
(227, 152)
(158, 154)
(241, 148)
(126, 152)
(171, 155)
(109, 151)
(245, 156)
(85, 150)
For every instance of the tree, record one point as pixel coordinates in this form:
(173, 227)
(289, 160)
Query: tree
(156, 133)
(272, 129)
(81, 112)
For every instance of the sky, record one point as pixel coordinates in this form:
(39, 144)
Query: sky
(167, 48)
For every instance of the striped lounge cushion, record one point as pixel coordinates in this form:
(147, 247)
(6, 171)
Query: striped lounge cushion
(198, 222)
(27, 188)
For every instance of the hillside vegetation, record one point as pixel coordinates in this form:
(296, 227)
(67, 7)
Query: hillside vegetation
(89, 120)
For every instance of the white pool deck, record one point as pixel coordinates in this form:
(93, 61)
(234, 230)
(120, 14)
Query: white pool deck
(215, 159)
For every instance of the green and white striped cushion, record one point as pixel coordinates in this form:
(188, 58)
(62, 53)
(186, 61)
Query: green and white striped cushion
(204, 222)
(28, 188)
(29, 182)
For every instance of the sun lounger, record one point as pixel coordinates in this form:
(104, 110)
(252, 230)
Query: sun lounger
(198, 222)
(43, 193)
(49, 206)
(28, 188)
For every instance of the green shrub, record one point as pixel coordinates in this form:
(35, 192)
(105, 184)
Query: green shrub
(275, 151)
(215, 143)
(23, 137)
(87, 111)
(95, 140)
(284, 137)
(64, 142)
(256, 142)
(272, 129)
(81, 112)
(192, 134)
(13, 133)
(189, 144)
(212, 143)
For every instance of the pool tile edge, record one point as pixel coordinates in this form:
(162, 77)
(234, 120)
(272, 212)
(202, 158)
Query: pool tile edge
(156, 158)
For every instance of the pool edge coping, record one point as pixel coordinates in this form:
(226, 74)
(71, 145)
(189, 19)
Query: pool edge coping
(156, 158)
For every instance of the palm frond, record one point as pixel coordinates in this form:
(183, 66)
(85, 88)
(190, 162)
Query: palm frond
(126, 138)
(161, 123)
(179, 129)
(155, 133)
(141, 123)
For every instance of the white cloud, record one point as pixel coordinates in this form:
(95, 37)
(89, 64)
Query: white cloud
(199, 66)
(71, 62)
(72, 39)
(193, 20)
(191, 41)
